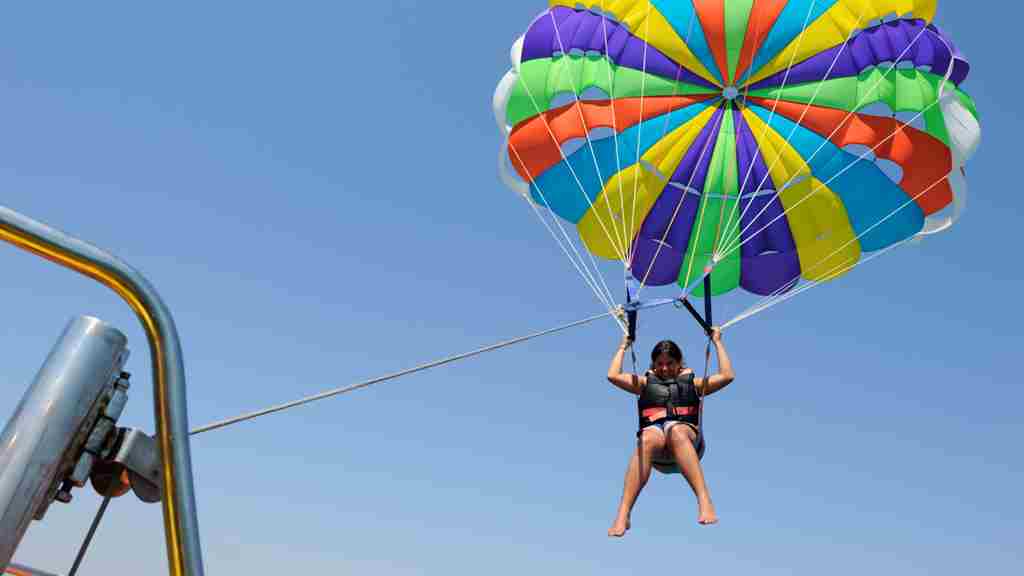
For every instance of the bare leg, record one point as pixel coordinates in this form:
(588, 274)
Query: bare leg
(681, 439)
(637, 474)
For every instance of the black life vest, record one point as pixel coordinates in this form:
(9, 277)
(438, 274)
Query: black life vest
(675, 399)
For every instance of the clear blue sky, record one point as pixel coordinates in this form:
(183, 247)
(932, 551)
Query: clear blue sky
(312, 188)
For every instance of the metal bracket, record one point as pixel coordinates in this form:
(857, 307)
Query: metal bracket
(134, 463)
(139, 453)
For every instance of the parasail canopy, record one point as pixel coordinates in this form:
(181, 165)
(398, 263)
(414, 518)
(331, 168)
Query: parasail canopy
(772, 140)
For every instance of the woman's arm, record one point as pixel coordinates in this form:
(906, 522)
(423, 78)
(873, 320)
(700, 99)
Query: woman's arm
(628, 382)
(725, 374)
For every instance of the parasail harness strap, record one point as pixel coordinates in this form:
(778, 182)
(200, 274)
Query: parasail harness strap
(705, 320)
(707, 324)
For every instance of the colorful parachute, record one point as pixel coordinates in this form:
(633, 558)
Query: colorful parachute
(775, 139)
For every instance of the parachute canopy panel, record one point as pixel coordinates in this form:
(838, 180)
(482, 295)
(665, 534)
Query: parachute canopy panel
(779, 139)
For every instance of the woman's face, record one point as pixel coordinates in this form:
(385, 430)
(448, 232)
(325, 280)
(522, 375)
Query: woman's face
(666, 367)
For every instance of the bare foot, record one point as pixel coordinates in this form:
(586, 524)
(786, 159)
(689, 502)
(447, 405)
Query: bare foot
(707, 512)
(619, 528)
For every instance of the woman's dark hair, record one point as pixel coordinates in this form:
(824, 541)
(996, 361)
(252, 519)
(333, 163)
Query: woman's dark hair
(666, 347)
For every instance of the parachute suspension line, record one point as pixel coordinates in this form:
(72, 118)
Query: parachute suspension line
(781, 186)
(718, 235)
(664, 132)
(565, 160)
(700, 393)
(783, 289)
(839, 126)
(837, 270)
(615, 131)
(715, 258)
(899, 129)
(675, 86)
(807, 107)
(581, 266)
(772, 301)
(594, 278)
(791, 289)
(577, 90)
(585, 273)
(775, 298)
(842, 268)
(396, 375)
(775, 104)
(700, 232)
(640, 128)
(664, 128)
(600, 278)
(675, 214)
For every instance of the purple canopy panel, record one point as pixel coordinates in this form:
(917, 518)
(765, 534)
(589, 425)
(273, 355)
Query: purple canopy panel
(906, 40)
(767, 274)
(665, 270)
(769, 259)
(570, 30)
(691, 173)
(753, 171)
(961, 67)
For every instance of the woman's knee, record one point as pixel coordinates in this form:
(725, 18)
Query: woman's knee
(652, 440)
(682, 433)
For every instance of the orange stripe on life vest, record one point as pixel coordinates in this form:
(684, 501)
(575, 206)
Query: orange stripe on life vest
(925, 160)
(535, 144)
(659, 413)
